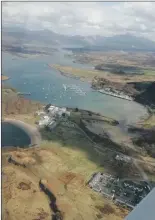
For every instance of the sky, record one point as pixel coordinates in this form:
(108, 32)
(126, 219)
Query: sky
(83, 18)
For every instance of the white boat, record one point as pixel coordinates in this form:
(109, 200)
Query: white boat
(65, 87)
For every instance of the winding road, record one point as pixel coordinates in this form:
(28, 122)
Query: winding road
(136, 162)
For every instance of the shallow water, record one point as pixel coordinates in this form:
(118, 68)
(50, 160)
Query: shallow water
(46, 85)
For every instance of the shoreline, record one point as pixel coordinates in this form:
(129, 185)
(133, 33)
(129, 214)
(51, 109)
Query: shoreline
(70, 75)
(102, 79)
(4, 78)
(31, 131)
(90, 74)
(143, 118)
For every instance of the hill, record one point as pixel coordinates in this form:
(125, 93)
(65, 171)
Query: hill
(64, 158)
(147, 96)
(21, 36)
(14, 104)
(118, 42)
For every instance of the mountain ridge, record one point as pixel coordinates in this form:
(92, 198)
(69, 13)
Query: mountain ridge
(126, 42)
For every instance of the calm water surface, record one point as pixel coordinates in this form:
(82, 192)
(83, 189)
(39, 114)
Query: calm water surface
(14, 136)
(46, 85)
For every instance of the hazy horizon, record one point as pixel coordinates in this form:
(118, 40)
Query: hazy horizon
(82, 18)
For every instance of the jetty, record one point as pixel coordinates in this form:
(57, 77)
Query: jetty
(24, 93)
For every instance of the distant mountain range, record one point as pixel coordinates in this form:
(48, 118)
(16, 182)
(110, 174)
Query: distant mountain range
(21, 36)
(122, 42)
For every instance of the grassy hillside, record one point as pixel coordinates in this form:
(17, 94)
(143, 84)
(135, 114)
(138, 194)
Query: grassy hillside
(13, 104)
(148, 96)
(66, 170)
(65, 158)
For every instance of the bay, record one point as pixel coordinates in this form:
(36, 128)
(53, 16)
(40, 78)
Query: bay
(46, 85)
(14, 136)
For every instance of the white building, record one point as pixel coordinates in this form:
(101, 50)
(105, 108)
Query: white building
(55, 111)
(52, 118)
(44, 121)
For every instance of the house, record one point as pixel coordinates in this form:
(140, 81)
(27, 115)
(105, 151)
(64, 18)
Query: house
(55, 111)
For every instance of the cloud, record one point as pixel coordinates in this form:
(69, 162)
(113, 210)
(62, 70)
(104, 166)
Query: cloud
(83, 18)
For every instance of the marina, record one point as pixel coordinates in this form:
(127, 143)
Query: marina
(74, 88)
(51, 83)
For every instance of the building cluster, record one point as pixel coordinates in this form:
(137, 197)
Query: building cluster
(125, 192)
(52, 116)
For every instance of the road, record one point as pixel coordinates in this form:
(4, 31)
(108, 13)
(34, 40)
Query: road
(136, 161)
